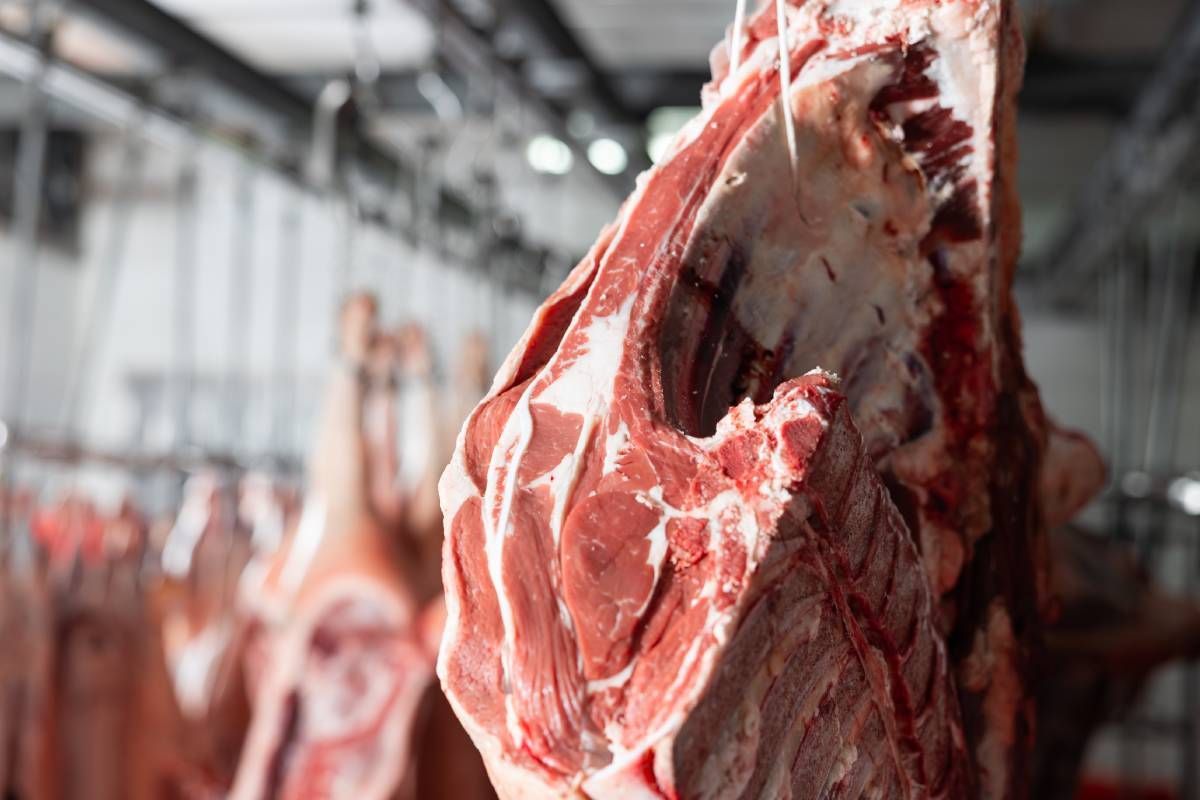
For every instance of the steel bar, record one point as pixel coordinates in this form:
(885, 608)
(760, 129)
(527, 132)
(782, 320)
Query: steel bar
(241, 304)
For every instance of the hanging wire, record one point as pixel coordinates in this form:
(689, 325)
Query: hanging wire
(785, 86)
(739, 36)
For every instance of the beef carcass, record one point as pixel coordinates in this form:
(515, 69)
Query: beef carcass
(103, 718)
(1109, 627)
(631, 616)
(1073, 474)
(1113, 628)
(342, 667)
(335, 709)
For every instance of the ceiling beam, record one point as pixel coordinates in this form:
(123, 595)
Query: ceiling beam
(472, 51)
(165, 33)
(545, 19)
(179, 41)
(1152, 153)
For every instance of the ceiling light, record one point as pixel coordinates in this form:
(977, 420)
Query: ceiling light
(549, 155)
(662, 125)
(608, 156)
(1185, 494)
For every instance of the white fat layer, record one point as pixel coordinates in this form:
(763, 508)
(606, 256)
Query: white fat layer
(575, 387)
(837, 283)
(614, 447)
(551, 478)
(564, 486)
(583, 387)
(502, 486)
(863, 12)
(613, 681)
(622, 778)
(967, 82)
(658, 552)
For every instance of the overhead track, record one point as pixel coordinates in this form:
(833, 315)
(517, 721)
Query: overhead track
(145, 22)
(1149, 155)
(544, 16)
(471, 51)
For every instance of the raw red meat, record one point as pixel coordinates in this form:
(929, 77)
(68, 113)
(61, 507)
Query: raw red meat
(101, 718)
(650, 595)
(1073, 474)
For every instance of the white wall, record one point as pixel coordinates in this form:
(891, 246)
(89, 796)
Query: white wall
(143, 313)
(1067, 359)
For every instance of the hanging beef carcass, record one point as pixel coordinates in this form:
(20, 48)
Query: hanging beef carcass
(1113, 628)
(341, 668)
(651, 595)
(337, 702)
(1109, 627)
(102, 717)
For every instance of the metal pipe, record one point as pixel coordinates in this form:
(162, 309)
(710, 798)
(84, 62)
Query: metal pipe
(288, 284)
(241, 305)
(27, 207)
(184, 288)
(99, 314)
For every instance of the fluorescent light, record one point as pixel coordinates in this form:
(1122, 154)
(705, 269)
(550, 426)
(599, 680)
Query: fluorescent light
(608, 156)
(657, 146)
(662, 125)
(549, 155)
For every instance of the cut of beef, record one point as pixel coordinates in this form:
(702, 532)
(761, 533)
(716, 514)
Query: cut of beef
(1073, 474)
(650, 595)
(782, 623)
